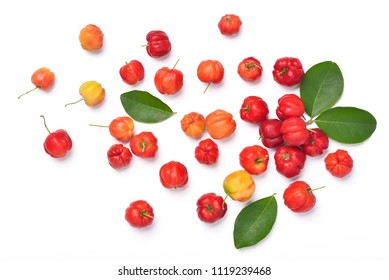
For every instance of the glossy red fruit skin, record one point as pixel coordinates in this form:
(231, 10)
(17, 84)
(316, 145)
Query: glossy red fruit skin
(253, 109)
(58, 143)
(173, 175)
(289, 105)
(144, 144)
(229, 24)
(210, 71)
(207, 152)
(288, 71)
(119, 156)
(211, 208)
(168, 81)
(270, 133)
(132, 72)
(250, 69)
(299, 197)
(289, 160)
(318, 142)
(139, 214)
(339, 163)
(254, 159)
(158, 44)
(294, 131)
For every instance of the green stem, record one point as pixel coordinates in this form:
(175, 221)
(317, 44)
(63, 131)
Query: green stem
(71, 103)
(98, 125)
(28, 92)
(207, 87)
(176, 63)
(44, 122)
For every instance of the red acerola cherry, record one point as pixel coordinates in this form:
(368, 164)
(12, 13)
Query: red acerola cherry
(119, 156)
(253, 109)
(289, 105)
(318, 141)
(57, 143)
(132, 72)
(169, 81)
(139, 214)
(270, 133)
(173, 175)
(211, 207)
(294, 131)
(299, 197)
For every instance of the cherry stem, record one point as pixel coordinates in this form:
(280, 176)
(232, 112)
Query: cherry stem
(224, 200)
(318, 188)
(176, 63)
(71, 103)
(98, 125)
(145, 214)
(207, 87)
(28, 92)
(44, 122)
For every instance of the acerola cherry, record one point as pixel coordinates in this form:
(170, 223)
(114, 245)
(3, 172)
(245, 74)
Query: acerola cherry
(121, 128)
(144, 144)
(250, 69)
(119, 156)
(173, 175)
(220, 124)
(43, 79)
(158, 44)
(193, 124)
(288, 71)
(210, 72)
(229, 24)
(169, 81)
(294, 131)
(253, 109)
(91, 38)
(289, 160)
(318, 141)
(92, 94)
(207, 152)
(339, 163)
(289, 105)
(139, 214)
(58, 143)
(254, 159)
(299, 197)
(270, 133)
(239, 185)
(132, 72)
(211, 207)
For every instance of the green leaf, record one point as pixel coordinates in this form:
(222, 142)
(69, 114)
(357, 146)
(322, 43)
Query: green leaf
(254, 222)
(321, 87)
(144, 107)
(347, 124)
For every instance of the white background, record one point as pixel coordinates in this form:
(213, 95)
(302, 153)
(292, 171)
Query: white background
(64, 219)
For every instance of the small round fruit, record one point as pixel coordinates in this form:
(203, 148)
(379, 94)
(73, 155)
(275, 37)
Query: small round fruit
(91, 38)
(250, 69)
(239, 185)
(144, 144)
(299, 197)
(211, 207)
(122, 128)
(173, 175)
(119, 156)
(229, 24)
(193, 124)
(220, 124)
(132, 72)
(139, 214)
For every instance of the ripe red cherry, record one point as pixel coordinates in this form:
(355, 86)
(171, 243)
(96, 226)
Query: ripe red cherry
(289, 105)
(119, 156)
(169, 81)
(58, 143)
(253, 109)
(132, 72)
(211, 207)
(229, 24)
(139, 214)
(339, 163)
(294, 131)
(43, 79)
(144, 144)
(299, 197)
(173, 175)
(270, 133)
(207, 152)
(158, 44)
(318, 141)
(250, 69)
